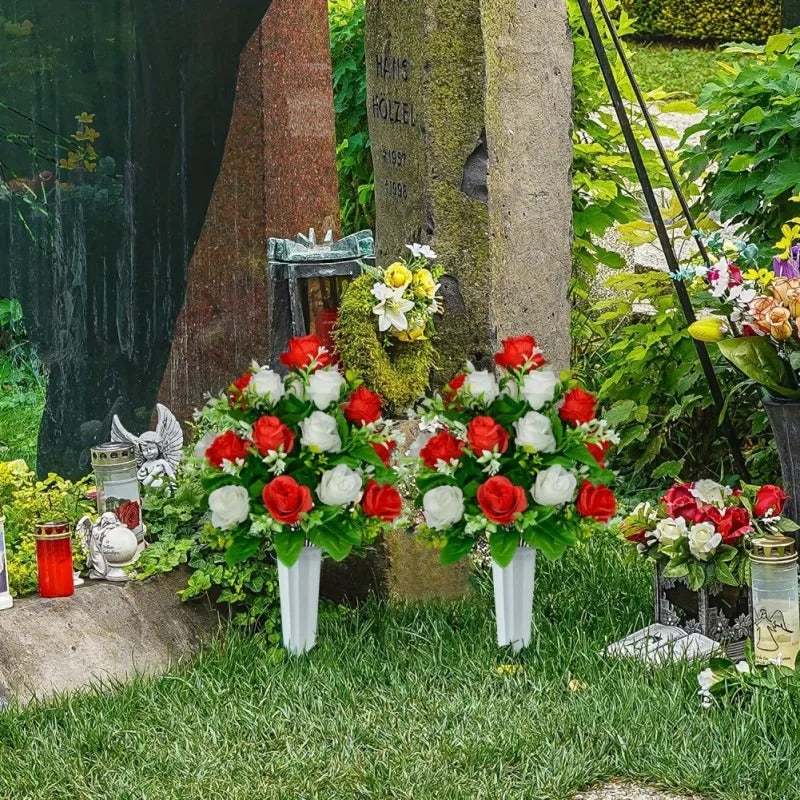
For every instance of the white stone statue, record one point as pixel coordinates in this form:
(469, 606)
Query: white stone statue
(110, 546)
(158, 452)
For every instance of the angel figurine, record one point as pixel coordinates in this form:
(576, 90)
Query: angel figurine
(158, 452)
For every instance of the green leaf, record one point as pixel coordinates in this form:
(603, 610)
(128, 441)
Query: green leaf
(696, 576)
(757, 358)
(241, 549)
(336, 546)
(288, 546)
(502, 546)
(752, 116)
(455, 549)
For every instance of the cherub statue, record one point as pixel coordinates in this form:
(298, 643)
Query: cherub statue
(110, 547)
(158, 452)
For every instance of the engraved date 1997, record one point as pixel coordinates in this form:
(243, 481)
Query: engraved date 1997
(393, 158)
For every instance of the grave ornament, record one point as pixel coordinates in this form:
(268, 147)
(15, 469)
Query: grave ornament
(110, 546)
(158, 452)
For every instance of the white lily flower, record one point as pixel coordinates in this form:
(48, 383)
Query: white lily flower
(392, 307)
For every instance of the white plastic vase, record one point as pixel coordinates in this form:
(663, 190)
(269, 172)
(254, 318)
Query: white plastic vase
(299, 588)
(513, 598)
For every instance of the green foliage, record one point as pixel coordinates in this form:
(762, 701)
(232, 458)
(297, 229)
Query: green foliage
(24, 501)
(178, 528)
(749, 141)
(635, 350)
(400, 374)
(353, 155)
(708, 20)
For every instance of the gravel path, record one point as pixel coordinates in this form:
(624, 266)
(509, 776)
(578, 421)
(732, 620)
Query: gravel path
(630, 791)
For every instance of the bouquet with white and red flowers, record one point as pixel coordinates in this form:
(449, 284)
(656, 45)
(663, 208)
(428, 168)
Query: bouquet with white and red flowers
(519, 458)
(296, 459)
(699, 531)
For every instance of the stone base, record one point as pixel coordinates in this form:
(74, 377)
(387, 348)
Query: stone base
(415, 573)
(104, 631)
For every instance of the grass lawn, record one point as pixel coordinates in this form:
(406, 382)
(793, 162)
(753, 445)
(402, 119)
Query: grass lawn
(408, 703)
(21, 405)
(678, 69)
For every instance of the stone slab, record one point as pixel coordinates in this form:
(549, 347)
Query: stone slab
(630, 791)
(104, 631)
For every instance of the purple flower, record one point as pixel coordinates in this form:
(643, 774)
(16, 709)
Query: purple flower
(788, 267)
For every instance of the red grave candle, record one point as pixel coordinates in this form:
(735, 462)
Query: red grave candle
(54, 559)
(323, 327)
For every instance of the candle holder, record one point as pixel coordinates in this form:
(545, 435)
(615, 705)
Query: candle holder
(115, 468)
(6, 600)
(776, 608)
(54, 559)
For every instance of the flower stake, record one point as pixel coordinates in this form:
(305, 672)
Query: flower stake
(298, 466)
(519, 461)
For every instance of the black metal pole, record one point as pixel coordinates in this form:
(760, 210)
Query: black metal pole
(661, 230)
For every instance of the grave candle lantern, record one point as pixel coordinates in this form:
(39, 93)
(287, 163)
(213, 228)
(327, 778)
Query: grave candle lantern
(6, 601)
(54, 559)
(776, 610)
(306, 279)
(115, 469)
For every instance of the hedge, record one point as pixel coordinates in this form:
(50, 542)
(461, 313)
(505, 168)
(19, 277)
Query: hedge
(708, 20)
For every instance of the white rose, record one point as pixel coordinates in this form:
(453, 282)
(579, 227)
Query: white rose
(339, 486)
(229, 506)
(671, 531)
(553, 486)
(268, 385)
(203, 444)
(422, 439)
(706, 679)
(481, 385)
(324, 387)
(535, 430)
(539, 387)
(443, 506)
(320, 433)
(703, 540)
(711, 493)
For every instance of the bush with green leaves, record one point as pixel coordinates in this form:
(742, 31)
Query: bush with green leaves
(353, 154)
(748, 146)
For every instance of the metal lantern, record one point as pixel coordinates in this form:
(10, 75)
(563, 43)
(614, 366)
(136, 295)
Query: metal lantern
(305, 284)
(115, 469)
(54, 559)
(776, 610)
(6, 601)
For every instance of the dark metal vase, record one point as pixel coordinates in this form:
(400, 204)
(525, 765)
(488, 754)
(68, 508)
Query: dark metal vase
(784, 417)
(722, 613)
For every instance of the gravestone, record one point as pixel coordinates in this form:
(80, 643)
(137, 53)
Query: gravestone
(118, 114)
(469, 105)
(278, 177)
(790, 12)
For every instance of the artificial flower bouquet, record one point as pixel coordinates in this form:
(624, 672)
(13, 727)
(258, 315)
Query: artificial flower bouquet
(297, 459)
(753, 311)
(699, 531)
(407, 295)
(521, 458)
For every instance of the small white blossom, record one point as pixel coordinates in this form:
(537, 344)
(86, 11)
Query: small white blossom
(421, 251)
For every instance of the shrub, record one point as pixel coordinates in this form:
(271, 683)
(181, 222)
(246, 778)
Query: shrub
(749, 145)
(707, 20)
(353, 155)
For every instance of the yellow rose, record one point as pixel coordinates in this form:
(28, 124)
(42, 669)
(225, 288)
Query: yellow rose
(708, 329)
(397, 275)
(423, 284)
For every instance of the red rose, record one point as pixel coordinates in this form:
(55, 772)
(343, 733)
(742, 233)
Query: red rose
(452, 389)
(734, 524)
(500, 500)
(598, 451)
(441, 447)
(681, 503)
(383, 502)
(269, 434)
(286, 500)
(597, 502)
(363, 406)
(236, 390)
(303, 351)
(484, 434)
(385, 450)
(519, 352)
(708, 514)
(578, 407)
(638, 537)
(227, 447)
(770, 501)
(129, 514)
